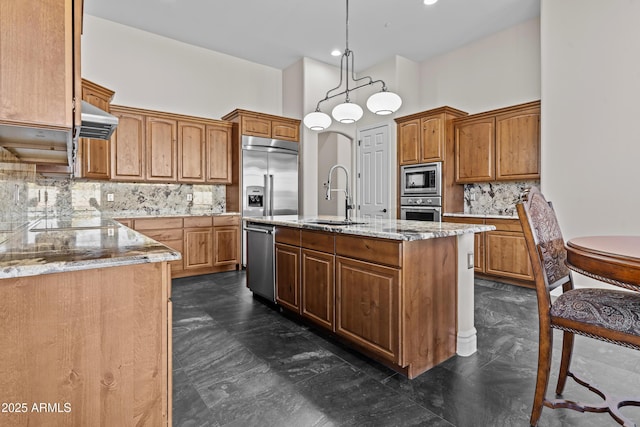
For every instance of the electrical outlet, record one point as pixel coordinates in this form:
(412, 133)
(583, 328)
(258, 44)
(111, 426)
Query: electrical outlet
(473, 197)
(470, 261)
(189, 197)
(110, 197)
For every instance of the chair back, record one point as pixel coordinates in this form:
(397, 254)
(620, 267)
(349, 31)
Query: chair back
(545, 243)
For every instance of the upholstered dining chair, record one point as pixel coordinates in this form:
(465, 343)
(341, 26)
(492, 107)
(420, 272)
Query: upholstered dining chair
(609, 315)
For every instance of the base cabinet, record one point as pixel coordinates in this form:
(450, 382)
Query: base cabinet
(288, 276)
(392, 300)
(367, 306)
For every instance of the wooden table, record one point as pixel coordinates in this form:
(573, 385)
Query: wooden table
(611, 259)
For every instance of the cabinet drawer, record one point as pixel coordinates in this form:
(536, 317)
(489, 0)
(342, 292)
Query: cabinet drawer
(375, 250)
(226, 220)
(464, 220)
(505, 224)
(288, 235)
(164, 235)
(157, 223)
(319, 241)
(198, 221)
(125, 222)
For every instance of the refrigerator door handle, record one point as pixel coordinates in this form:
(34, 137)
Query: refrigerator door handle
(270, 195)
(267, 195)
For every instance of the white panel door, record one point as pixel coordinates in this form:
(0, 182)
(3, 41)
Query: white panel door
(373, 174)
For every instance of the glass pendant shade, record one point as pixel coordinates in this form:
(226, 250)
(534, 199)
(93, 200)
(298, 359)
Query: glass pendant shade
(317, 121)
(383, 103)
(347, 112)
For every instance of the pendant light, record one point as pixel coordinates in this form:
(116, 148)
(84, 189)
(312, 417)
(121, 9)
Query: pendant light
(381, 103)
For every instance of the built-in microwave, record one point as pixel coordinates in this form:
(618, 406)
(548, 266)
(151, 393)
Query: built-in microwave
(421, 180)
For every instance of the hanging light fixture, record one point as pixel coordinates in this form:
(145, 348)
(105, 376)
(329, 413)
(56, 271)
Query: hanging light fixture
(382, 103)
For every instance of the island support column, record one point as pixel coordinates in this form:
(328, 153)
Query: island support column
(467, 341)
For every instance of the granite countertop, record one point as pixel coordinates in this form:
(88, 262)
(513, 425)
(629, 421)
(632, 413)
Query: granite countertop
(52, 245)
(141, 215)
(481, 215)
(395, 229)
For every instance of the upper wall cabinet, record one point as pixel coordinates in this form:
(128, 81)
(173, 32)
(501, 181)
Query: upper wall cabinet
(265, 125)
(93, 159)
(39, 77)
(422, 137)
(153, 146)
(498, 145)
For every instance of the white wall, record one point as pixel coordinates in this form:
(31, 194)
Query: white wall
(149, 71)
(497, 71)
(333, 148)
(590, 111)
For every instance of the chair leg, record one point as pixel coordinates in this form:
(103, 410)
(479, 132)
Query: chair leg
(565, 362)
(542, 381)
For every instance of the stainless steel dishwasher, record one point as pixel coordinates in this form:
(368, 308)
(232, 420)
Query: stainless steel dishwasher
(260, 259)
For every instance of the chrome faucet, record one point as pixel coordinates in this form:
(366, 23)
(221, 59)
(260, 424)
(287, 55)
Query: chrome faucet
(347, 196)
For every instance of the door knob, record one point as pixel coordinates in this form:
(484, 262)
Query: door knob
(384, 210)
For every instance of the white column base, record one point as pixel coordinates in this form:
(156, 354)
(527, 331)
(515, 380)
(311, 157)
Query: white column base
(467, 342)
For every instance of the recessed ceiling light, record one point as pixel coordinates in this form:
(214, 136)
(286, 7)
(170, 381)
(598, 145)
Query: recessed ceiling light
(430, 2)
(336, 52)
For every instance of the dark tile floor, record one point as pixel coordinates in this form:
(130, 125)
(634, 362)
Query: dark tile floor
(239, 362)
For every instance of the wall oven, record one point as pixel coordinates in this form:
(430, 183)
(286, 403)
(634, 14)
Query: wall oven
(421, 192)
(423, 180)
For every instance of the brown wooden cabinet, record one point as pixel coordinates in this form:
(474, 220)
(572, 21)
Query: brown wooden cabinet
(498, 145)
(393, 300)
(226, 241)
(168, 147)
(367, 306)
(128, 160)
(208, 244)
(92, 339)
(317, 277)
(161, 149)
(40, 66)
(192, 152)
(428, 137)
(218, 146)
(501, 253)
(93, 159)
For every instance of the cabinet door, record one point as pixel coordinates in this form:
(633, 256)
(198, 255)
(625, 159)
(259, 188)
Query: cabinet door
(288, 276)
(127, 147)
(409, 142)
(518, 145)
(507, 255)
(478, 241)
(432, 139)
(367, 306)
(318, 287)
(161, 149)
(474, 150)
(256, 126)
(191, 152)
(198, 248)
(218, 154)
(37, 63)
(94, 155)
(285, 130)
(225, 242)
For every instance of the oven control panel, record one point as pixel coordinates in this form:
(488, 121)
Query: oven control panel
(421, 201)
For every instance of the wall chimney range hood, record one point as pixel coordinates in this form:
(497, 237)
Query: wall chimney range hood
(96, 123)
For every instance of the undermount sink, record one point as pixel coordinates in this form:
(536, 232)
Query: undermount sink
(332, 222)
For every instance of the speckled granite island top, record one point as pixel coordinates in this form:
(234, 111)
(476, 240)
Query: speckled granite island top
(54, 245)
(395, 229)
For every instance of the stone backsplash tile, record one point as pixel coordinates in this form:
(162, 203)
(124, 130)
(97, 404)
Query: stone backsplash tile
(45, 196)
(494, 198)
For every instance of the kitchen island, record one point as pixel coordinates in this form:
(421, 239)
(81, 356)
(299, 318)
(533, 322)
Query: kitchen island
(398, 291)
(86, 324)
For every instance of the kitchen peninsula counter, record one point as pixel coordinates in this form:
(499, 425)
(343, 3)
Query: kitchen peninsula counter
(54, 245)
(86, 318)
(399, 291)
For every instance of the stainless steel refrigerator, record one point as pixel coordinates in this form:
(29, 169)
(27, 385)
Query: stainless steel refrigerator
(269, 179)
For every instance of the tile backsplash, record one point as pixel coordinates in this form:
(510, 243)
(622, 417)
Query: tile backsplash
(494, 198)
(25, 197)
